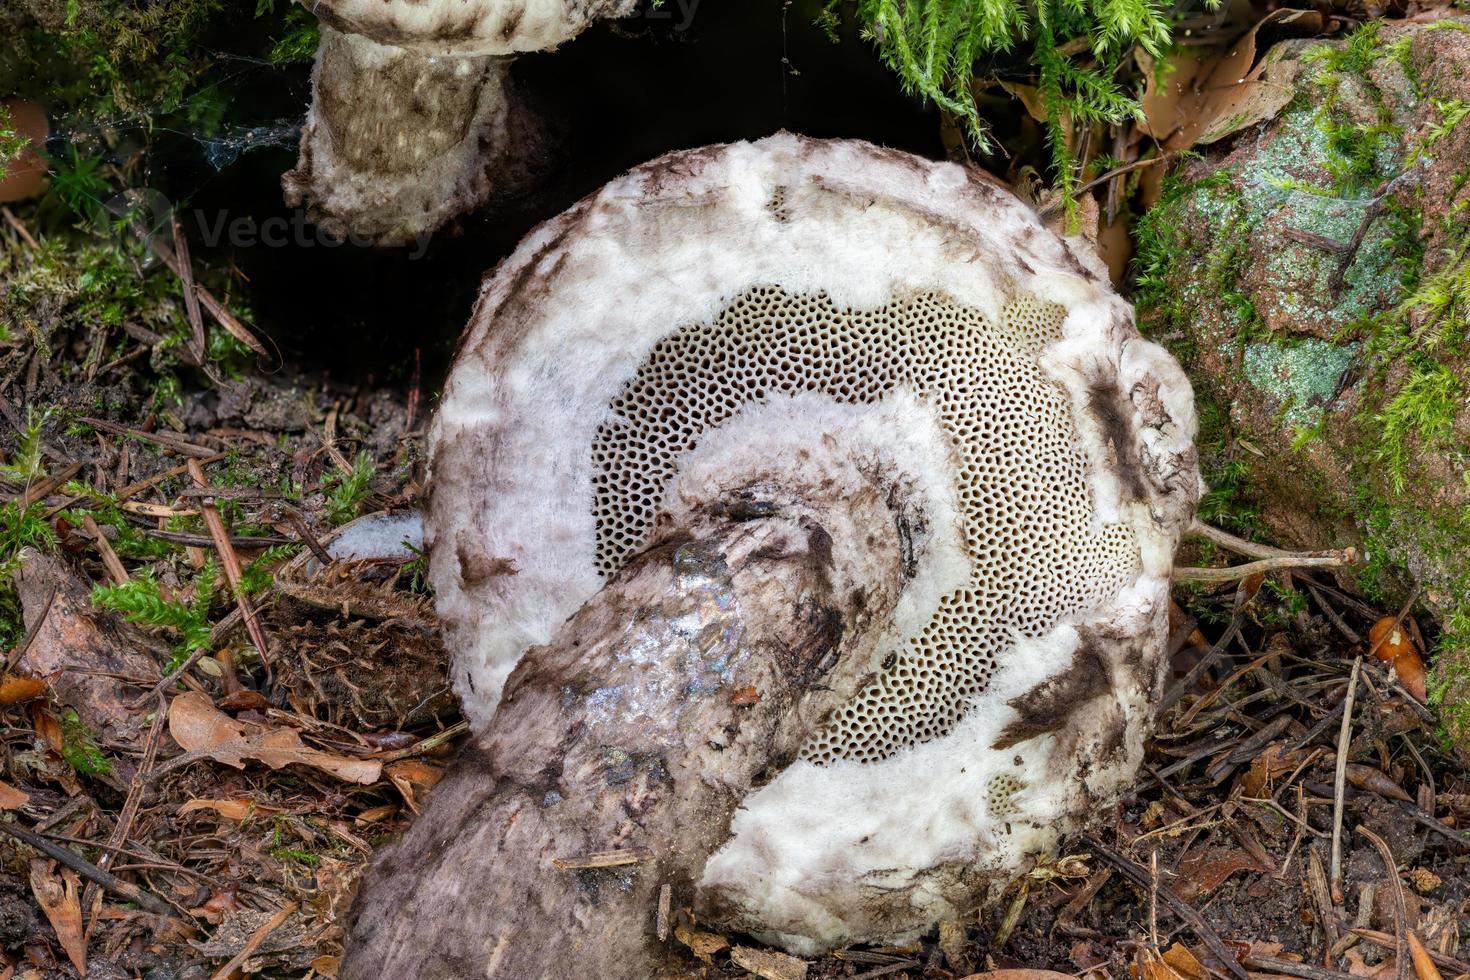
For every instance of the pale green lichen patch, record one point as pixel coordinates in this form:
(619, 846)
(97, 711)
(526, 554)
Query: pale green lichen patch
(1301, 377)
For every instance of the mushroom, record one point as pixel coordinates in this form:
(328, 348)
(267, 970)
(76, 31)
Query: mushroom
(413, 119)
(802, 518)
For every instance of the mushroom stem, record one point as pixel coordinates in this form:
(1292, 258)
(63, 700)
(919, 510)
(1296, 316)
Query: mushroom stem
(622, 748)
(397, 142)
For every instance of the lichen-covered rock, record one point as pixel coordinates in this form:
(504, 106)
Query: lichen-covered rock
(1311, 274)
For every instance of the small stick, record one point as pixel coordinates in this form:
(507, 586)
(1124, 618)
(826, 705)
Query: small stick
(87, 869)
(41, 490)
(428, 744)
(170, 442)
(1290, 968)
(110, 560)
(1400, 911)
(184, 268)
(1322, 898)
(132, 489)
(20, 229)
(1344, 736)
(602, 859)
(256, 938)
(220, 631)
(1228, 541)
(1387, 942)
(661, 916)
(118, 839)
(1111, 174)
(1207, 934)
(216, 309)
(30, 637)
(889, 970)
(1301, 559)
(231, 563)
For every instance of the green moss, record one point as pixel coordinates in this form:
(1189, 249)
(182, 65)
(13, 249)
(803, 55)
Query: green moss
(11, 142)
(1424, 409)
(79, 748)
(934, 47)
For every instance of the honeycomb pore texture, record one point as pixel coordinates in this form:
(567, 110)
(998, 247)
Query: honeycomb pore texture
(1037, 557)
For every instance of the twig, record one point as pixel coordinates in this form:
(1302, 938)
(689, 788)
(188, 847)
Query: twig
(889, 970)
(132, 489)
(1344, 736)
(1322, 898)
(1228, 541)
(110, 560)
(184, 268)
(1400, 911)
(1207, 934)
(1339, 275)
(428, 744)
(661, 914)
(215, 308)
(231, 563)
(1116, 172)
(30, 637)
(256, 938)
(1389, 942)
(118, 839)
(20, 229)
(170, 442)
(216, 635)
(203, 541)
(1290, 968)
(1301, 559)
(87, 869)
(40, 491)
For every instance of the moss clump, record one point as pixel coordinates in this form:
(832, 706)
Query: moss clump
(11, 142)
(79, 748)
(934, 47)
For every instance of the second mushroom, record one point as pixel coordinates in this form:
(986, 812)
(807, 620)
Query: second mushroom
(413, 118)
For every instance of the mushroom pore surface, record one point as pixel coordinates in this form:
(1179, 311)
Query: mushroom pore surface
(789, 307)
(1036, 555)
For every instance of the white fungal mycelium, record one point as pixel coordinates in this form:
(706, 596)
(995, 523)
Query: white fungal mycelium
(764, 307)
(413, 120)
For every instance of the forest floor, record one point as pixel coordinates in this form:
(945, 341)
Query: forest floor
(175, 804)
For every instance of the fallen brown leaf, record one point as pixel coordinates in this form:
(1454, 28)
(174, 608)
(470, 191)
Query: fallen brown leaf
(198, 726)
(83, 652)
(703, 944)
(11, 798)
(1184, 963)
(15, 689)
(1392, 643)
(412, 777)
(1424, 967)
(768, 964)
(1374, 781)
(1200, 95)
(237, 810)
(60, 898)
(1019, 975)
(1202, 872)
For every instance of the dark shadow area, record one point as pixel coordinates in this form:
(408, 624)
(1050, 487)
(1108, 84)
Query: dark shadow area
(623, 93)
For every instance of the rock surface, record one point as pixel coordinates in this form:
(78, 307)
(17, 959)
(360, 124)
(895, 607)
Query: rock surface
(1311, 275)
